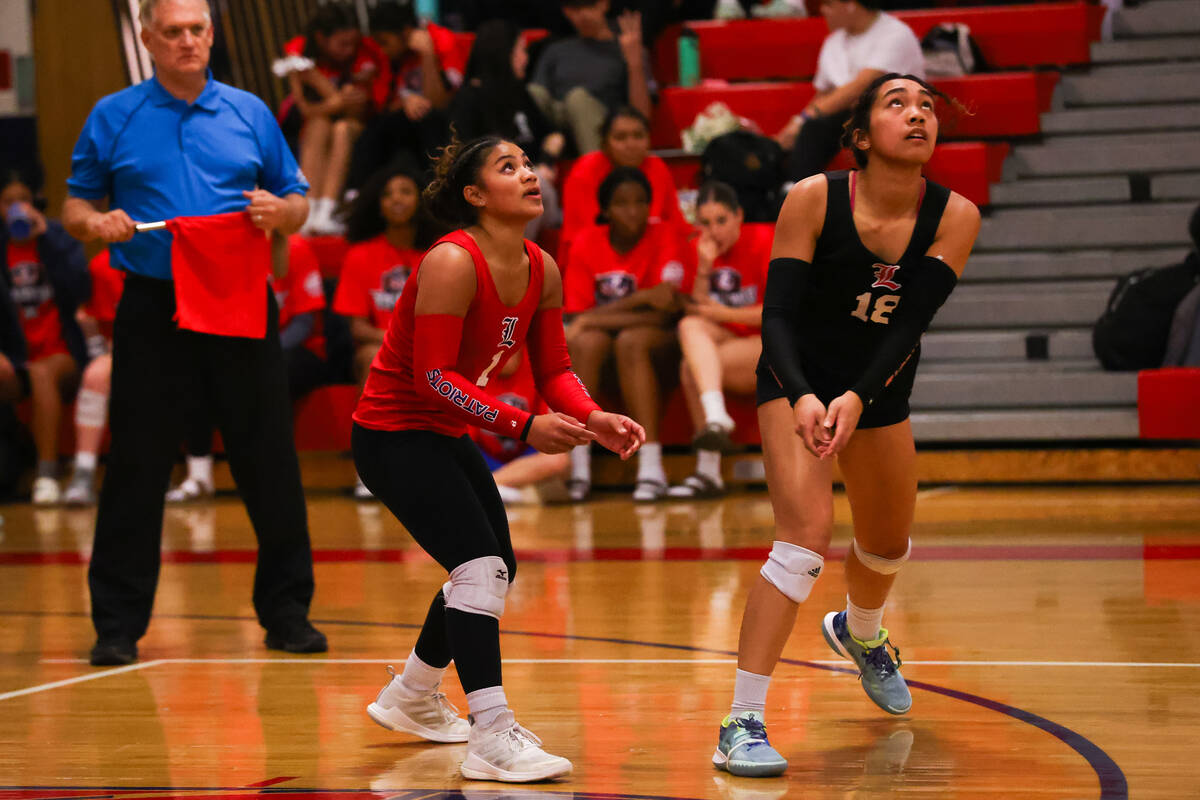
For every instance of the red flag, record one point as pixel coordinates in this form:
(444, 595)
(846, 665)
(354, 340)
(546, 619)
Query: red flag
(221, 263)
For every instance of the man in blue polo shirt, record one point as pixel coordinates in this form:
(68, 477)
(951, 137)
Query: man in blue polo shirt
(182, 144)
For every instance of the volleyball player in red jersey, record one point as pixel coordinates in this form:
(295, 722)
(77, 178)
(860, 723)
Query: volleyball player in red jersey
(478, 295)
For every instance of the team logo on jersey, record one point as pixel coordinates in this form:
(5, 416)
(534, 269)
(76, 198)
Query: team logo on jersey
(725, 286)
(612, 286)
(672, 273)
(883, 276)
(29, 287)
(508, 326)
(391, 284)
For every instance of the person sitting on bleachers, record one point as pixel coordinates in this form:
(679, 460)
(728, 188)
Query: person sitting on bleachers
(863, 44)
(626, 137)
(494, 100)
(44, 282)
(337, 79)
(621, 292)
(516, 466)
(580, 79)
(721, 334)
(390, 233)
(95, 319)
(427, 68)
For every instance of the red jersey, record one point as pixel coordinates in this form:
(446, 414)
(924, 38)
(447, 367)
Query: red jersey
(33, 296)
(370, 69)
(580, 205)
(301, 291)
(451, 58)
(373, 276)
(520, 391)
(739, 275)
(107, 285)
(491, 333)
(600, 275)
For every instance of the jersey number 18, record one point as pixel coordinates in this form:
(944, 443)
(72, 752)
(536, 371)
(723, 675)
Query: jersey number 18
(884, 305)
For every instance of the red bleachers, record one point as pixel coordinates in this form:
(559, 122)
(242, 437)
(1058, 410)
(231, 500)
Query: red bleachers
(1167, 403)
(1009, 36)
(1000, 105)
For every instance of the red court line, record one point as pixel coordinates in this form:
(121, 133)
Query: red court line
(985, 552)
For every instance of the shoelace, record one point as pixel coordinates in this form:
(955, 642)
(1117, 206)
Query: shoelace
(448, 709)
(755, 729)
(878, 659)
(519, 738)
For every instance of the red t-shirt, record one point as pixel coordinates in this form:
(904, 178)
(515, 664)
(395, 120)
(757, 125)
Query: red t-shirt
(451, 58)
(600, 275)
(739, 275)
(580, 205)
(372, 278)
(33, 296)
(301, 291)
(107, 285)
(369, 68)
(520, 391)
(491, 332)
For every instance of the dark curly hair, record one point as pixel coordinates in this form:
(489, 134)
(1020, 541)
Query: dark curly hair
(860, 115)
(458, 167)
(614, 180)
(365, 221)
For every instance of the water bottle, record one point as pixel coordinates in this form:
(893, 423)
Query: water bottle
(428, 10)
(18, 221)
(689, 58)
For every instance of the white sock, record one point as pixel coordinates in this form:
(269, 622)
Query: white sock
(418, 677)
(85, 462)
(650, 466)
(200, 468)
(864, 623)
(581, 463)
(487, 704)
(510, 495)
(749, 693)
(714, 408)
(708, 464)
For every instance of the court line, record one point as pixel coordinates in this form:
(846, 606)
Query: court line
(45, 687)
(725, 661)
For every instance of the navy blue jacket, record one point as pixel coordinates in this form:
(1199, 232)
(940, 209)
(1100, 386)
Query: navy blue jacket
(66, 265)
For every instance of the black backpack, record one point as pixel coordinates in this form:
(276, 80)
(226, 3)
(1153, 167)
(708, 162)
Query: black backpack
(753, 166)
(951, 52)
(1132, 332)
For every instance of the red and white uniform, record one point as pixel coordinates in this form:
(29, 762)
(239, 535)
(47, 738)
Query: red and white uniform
(739, 275)
(517, 390)
(451, 58)
(33, 295)
(581, 207)
(369, 68)
(599, 274)
(372, 278)
(107, 285)
(301, 292)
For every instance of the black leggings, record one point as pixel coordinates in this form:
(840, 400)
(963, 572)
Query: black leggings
(442, 491)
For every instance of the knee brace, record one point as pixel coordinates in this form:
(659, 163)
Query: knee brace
(792, 570)
(884, 566)
(478, 586)
(91, 409)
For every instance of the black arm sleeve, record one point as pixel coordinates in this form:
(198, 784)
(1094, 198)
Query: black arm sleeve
(786, 279)
(924, 297)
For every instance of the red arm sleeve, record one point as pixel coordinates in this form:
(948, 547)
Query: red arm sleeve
(436, 339)
(557, 383)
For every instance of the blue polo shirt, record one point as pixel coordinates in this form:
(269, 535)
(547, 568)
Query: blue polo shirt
(155, 157)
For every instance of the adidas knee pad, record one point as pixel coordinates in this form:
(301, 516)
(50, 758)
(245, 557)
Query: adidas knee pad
(478, 586)
(792, 570)
(884, 566)
(91, 409)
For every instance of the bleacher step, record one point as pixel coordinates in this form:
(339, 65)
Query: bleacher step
(1179, 186)
(1012, 306)
(1124, 225)
(1084, 90)
(1023, 387)
(1061, 191)
(1158, 18)
(1137, 118)
(1171, 140)
(1156, 49)
(1026, 425)
(939, 346)
(1049, 160)
(1005, 266)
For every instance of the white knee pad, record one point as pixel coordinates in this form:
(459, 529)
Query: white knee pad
(884, 566)
(91, 409)
(478, 586)
(792, 570)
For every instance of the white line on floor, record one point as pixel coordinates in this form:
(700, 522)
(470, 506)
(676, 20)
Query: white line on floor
(45, 687)
(832, 662)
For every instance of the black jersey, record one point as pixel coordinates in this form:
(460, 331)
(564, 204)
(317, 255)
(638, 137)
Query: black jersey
(851, 295)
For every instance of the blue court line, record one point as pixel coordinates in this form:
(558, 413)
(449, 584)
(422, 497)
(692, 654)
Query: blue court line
(1113, 785)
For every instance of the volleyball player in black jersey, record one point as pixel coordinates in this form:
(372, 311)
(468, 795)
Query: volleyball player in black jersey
(861, 262)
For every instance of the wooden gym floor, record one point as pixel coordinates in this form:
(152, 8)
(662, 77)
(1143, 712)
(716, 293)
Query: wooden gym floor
(1049, 635)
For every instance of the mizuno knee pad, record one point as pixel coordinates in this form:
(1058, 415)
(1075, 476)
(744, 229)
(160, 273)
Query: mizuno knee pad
(478, 586)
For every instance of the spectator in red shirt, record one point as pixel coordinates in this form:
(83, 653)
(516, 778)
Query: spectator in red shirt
(95, 319)
(622, 291)
(427, 67)
(721, 334)
(390, 233)
(516, 465)
(44, 282)
(337, 80)
(626, 136)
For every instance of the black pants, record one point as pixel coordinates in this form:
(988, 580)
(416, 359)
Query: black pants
(441, 489)
(244, 382)
(818, 142)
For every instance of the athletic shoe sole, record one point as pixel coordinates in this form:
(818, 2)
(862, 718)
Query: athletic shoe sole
(395, 720)
(476, 768)
(836, 645)
(721, 762)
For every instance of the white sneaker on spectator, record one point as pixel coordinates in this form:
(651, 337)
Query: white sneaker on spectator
(779, 8)
(361, 492)
(189, 489)
(46, 492)
(729, 9)
(504, 751)
(79, 491)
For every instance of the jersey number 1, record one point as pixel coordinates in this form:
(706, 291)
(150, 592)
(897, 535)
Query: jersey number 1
(885, 305)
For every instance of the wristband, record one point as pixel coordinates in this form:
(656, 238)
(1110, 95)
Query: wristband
(524, 437)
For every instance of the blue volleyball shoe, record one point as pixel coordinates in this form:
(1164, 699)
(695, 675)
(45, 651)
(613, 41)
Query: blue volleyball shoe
(881, 678)
(743, 748)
